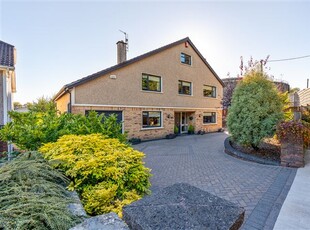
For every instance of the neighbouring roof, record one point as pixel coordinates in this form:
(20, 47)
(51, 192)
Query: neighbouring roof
(6, 54)
(133, 60)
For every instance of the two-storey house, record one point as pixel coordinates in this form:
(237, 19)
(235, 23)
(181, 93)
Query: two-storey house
(152, 93)
(7, 85)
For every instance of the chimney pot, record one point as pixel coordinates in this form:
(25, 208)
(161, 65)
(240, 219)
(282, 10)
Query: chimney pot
(121, 51)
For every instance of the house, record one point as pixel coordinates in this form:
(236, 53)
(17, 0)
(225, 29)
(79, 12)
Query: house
(152, 93)
(7, 84)
(304, 97)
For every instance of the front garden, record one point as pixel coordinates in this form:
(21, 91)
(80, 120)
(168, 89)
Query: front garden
(87, 154)
(262, 124)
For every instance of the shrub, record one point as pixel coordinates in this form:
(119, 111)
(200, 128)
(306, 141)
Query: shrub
(134, 141)
(191, 129)
(176, 129)
(33, 195)
(107, 173)
(32, 129)
(305, 115)
(295, 130)
(255, 111)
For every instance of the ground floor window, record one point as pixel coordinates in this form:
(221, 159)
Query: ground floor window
(209, 117)
(151, 119)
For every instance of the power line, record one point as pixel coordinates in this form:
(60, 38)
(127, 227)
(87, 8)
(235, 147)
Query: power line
(289, 59)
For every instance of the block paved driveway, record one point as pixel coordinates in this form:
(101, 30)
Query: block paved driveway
(200, 161)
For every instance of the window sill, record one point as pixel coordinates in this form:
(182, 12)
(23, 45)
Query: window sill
(184, 64)
(151, 128)
(209, 123)
(185, 95)
(150, 91)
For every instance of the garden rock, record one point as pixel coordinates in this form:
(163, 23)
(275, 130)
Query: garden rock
(76, 208)
(108, 221)
(182, 206)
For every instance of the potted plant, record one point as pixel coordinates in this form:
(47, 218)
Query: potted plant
(171, 136)
(135, 141)
(176, 129)
(191, 129)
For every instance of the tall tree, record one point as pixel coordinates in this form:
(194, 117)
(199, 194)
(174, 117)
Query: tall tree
(255, 110)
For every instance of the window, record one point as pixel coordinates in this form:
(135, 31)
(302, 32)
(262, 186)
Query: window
(186, 59)
(151, 83)
(209, 118)
(185, 87)
(151, 119)
(209, 91)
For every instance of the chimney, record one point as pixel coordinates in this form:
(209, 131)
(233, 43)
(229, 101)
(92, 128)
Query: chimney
(121, 51)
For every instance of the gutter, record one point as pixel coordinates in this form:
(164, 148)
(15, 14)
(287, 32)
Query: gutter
(4, 67)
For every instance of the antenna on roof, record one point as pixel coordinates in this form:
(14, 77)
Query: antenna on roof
(126, 39)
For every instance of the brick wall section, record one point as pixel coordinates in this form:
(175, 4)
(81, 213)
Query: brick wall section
(292, 153)
(208, 127)
(133, 121)
(3, 147)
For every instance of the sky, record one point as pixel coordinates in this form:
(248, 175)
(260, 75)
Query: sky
(58, 42)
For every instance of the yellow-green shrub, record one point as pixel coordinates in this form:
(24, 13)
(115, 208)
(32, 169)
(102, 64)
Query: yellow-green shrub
(108, 174)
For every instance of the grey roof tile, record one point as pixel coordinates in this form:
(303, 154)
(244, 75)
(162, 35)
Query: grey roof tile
(6, 54)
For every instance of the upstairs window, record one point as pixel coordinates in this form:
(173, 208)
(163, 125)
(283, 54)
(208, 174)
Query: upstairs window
(186, 59)
(151, 119)
(209, 118)
(185, 87)
(151, 83)
(209, 91)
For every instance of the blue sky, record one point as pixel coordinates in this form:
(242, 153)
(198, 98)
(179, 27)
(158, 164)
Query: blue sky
(58, 42)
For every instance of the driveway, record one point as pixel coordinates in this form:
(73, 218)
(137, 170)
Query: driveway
(200, 161)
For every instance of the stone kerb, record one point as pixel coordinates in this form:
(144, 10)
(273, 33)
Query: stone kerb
(292, 152)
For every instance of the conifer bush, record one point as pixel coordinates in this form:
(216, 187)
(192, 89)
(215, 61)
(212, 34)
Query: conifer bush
(106, 173)
(33, 195)
(256, 109)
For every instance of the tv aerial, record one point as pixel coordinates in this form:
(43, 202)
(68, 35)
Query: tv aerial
(126, 39)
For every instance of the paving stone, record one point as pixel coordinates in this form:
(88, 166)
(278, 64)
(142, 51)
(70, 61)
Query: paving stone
(182, 206)
(207, 167)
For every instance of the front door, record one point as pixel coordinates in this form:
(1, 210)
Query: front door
(183, 122)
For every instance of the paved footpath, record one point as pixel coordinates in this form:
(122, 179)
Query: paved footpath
(295, 212)
(200, 161)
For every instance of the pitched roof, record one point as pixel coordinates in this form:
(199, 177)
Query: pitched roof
(6, 54)
(133, 60)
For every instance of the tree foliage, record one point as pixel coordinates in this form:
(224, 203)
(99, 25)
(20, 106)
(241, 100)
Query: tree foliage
(33, 195)
(255, 111)
(42, 105)
(108, 174)
(42, 124)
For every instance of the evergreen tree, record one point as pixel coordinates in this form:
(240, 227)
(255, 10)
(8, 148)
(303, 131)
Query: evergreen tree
(255, 110)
